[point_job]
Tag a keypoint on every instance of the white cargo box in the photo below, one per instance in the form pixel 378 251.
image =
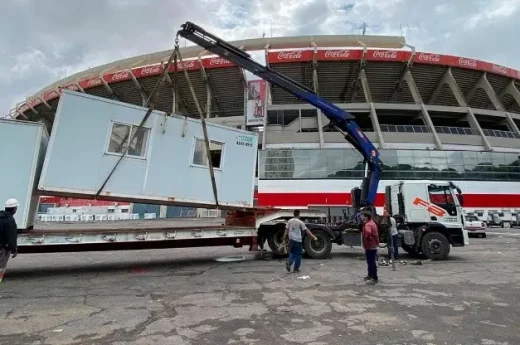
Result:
pixel 166 164
pixel 22 150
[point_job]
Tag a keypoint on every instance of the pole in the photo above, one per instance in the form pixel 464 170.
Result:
pixel 391 244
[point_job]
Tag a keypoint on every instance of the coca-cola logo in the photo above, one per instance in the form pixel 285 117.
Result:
pixel 467 63
pixel 290 55
pixel 120 76
pixel 186 64
pixel 429 57
pixel 151 70
pixel 385 54
pixel 218 61
pixel 337 54
pixel 499 69
pixel 93 82
pixel 34 102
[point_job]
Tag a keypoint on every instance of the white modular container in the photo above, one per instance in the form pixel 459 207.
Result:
pixel 166 164
pixel 22 151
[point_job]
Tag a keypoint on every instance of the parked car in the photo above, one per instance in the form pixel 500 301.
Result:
pixel 474 226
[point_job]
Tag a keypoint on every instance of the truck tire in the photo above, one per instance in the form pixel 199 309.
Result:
pixel 275 239
pixel 435 246
pixel 319 249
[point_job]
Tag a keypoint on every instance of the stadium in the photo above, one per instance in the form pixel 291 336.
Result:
pixel 433 116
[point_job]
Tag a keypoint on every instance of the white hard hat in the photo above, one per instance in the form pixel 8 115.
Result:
pixel 11 203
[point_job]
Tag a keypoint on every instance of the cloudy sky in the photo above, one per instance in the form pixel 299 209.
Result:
pixel 42 41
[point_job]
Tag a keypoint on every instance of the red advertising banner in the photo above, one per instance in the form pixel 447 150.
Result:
pixel 290 56
pixel 90 82
pixel 216 62
pixel 147 71
pixel 339 54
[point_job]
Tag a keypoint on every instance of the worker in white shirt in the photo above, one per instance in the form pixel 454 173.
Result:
pixel 395 237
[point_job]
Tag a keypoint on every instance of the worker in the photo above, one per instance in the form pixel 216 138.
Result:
pixel 8 234
pixel 370 244
pixel 395 237
pixel 293 231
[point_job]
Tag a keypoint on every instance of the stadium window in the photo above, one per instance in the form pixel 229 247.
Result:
pixel 120 137
pixel 200 157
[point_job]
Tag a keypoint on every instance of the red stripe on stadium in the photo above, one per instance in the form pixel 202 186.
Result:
pixel 306 199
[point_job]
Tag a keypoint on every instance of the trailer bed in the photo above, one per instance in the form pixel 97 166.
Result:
pixel 133 234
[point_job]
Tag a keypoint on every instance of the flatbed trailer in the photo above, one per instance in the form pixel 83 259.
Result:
pixel 238 229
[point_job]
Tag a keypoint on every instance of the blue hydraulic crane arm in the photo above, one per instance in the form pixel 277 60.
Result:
pixel 342 120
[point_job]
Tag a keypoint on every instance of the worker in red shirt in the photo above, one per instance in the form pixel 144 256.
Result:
pixel 370 244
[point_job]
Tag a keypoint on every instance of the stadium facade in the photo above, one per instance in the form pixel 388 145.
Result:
pixel 433 116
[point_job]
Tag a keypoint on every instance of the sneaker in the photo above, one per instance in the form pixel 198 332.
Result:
pixel 372 281
pixel 288 266
pixel 297 270
pixel 366 278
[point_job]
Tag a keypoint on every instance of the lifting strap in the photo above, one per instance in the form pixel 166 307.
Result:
pixel 203 122
pixel 150 102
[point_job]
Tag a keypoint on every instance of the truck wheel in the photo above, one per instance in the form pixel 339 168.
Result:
pixel 319 249
pixel 435 246
pixel 275 240
pixel 483 235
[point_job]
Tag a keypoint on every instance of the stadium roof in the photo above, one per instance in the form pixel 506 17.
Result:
pixel 339 62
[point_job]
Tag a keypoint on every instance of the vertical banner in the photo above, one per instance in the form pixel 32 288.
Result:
pixel 256 102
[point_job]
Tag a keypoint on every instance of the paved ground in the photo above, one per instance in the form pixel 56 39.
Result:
pixel 186 297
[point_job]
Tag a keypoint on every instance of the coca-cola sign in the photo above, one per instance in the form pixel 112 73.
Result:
pixel 189 64
pixel 122 75
pixel 425 57
pixel 93 82
pixel 463 62
pixel 385 54
pixel 337 54
pixel 499 69
pixel 217 61
pixel 151 70
pixel 34 102
pixel 290 55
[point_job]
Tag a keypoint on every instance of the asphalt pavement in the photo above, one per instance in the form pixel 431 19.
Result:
pixel 186 296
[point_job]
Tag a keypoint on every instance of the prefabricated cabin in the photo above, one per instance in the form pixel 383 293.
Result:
pixel 166 162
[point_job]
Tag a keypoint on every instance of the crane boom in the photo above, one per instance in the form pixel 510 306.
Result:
pixel 342 120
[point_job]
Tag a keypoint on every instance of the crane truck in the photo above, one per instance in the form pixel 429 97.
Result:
pixel 429 213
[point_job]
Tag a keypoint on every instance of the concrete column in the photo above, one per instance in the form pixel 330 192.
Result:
pixel 455 89
pixel 377 127
pixel 472 120
pixel 484 84
pixel 512 124
pixel 511 90
pixel 428 121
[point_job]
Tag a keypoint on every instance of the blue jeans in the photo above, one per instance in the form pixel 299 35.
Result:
pixel 395 242
pixel 371 262
pixel 295 253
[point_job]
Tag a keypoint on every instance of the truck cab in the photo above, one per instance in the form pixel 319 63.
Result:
pixel 429 215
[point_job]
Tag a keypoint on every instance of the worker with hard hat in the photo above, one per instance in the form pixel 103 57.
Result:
pixel 8 234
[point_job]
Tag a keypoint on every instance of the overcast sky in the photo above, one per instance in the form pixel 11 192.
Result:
pixel 42 41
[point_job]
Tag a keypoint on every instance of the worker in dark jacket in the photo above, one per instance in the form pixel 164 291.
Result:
pixel 8 234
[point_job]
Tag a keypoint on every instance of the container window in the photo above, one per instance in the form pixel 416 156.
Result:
pixel 200 157
pixel 120 139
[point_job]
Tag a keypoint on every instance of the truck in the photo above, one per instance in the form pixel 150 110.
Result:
pixel 429 213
